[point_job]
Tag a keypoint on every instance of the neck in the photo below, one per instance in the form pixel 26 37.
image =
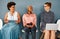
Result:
pixel 29 12
pixel 12 12
pixel 47 10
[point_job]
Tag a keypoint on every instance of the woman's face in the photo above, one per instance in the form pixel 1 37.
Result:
pixel 46 7
pixel 30 9
pixel 12 8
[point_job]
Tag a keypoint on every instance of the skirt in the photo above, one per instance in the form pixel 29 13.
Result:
pixel 10 30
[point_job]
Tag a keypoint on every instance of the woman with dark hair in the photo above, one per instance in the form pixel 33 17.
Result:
pixel 12 18
pixel 47 16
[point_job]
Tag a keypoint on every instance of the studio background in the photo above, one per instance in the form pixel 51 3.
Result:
pixel 21 7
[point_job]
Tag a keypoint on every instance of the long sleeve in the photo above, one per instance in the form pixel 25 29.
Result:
pixel 24 22
pixel 41 17
pixel 53 17
pixel 35 19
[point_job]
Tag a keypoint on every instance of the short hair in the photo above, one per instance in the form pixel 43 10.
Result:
pixel 30 7
pixel 48 4
pixel 10 4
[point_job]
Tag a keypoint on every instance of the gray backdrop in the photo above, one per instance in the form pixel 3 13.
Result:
pixel 21 6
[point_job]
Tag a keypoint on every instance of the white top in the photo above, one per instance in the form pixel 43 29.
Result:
pixel 14 17
pixel 58 22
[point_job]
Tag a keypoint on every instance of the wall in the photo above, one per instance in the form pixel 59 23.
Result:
pixel 21 6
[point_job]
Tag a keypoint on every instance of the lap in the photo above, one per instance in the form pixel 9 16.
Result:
pixel 49 31
pixel 10 27
pixel 29 29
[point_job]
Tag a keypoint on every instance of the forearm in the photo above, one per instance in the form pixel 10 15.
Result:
pixel 6 21
pixel 19 21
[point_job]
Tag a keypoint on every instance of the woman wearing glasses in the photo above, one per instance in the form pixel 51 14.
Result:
pixel 47 16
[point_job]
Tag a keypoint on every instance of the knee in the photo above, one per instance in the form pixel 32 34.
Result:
pixel 52 32
pixel 47 32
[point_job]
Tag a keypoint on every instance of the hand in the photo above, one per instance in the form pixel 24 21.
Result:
pixel 31 26
pixel 17 21
pixel 6 21
pixel 28 26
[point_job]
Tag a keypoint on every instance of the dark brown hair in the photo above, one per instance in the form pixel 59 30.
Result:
pixel 10 4
pixel 48 4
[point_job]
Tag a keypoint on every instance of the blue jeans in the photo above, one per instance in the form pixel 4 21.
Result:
pixel 32 30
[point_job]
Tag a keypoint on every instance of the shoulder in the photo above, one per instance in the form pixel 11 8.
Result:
pixel 17 13
pixel 24 15
pixel 42 13
pixel 34 14
pixel 52 12
pixel 6 13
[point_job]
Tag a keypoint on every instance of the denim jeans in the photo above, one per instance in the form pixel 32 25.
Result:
pixel 32 30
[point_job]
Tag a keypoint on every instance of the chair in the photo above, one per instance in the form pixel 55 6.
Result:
pixel 42 33
pixel 58 32
pixel 1 24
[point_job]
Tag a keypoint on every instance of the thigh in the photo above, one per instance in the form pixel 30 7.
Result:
pixel 52 32
pixel 47 32
pixel 33 29
pixel 33 32
pixel 26 29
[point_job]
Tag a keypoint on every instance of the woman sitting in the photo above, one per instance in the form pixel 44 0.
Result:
pixel 11 28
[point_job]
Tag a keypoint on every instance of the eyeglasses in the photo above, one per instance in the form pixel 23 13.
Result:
pixel 45 6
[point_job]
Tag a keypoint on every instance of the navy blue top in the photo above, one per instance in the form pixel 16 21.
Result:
pixel 46 17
